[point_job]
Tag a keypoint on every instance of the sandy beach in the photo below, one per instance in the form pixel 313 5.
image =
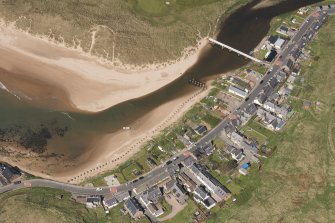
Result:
pixel 91 84
pixel 36 69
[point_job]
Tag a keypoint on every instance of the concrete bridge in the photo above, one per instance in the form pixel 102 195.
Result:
pixel 235 50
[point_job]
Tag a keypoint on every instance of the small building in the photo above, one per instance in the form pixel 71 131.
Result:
pixel 236 154
pixel 276 42
pixel 236 91
pixel 291 79
pixel 307 105
pixel 203 197
pixel 283 30
pixel 133 208
pixel 110 202
pixel 288 64
pixel 155 209
pixel 201 193
pixel 271 55
pixel 208 149
pixel 177 191
pixel 201 129
pixel 93 201
pixel 236 138
pixel 122 196
pixel 270 121
pixel 8 173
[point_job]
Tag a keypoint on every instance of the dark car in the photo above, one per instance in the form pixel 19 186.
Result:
pixel 168 162
pixel 329 6
pixel 247 99
pixel 262 81
pixel 17 182
pixel 321 7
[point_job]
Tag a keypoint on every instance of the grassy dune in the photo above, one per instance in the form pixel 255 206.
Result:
pixel 134 31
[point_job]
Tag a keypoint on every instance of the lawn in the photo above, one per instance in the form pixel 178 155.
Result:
pixel 155 7
pixel 185 216
pixel 253 134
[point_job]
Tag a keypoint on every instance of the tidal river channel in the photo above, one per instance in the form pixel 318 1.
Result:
pixel 41 128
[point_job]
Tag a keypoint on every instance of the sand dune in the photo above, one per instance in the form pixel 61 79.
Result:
pixel 90 84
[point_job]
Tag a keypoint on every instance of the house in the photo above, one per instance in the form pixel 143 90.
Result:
pixel 209 203
pixel 186 180
pixel 122 196
pixel 155 209
pixel 208 149
pixel 296 53
pixel 202 196
pixel 237 91
pixel 283 30
pixel 236 138
pixel 270 106
pixel 201 193
pixel 228 129
pixel 273 83
pixel 133 208
pixel 272 122
pixel 264 94
pixel 93 201
pixel 154 194
pixel 296 71
pixel 110 202
pixel 236 154
pixel 269 56
pixel 272 39
pixel 283 110
pixel 250 146
pixel 218 191
pixel 280 76
pixel 201 129
pixel 178 192
pixel 237 82
pixel 276 42
pixel 8 173
pixel 302 11
pixel 291 79
pixel 288 64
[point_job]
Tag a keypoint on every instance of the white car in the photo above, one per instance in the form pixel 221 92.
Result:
pixel 99 189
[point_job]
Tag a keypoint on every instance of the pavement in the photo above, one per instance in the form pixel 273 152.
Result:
pixel 160 172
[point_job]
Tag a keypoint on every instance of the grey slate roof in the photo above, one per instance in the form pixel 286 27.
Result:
pixel 132 206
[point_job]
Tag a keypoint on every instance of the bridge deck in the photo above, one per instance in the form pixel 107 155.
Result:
pixel 235 50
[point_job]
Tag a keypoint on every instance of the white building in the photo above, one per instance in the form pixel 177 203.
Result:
pixel 237 91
